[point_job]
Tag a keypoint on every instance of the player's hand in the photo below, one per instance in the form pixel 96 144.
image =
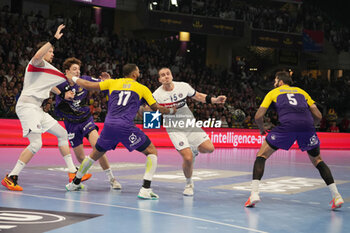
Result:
pixel 58 33
pixel 69 95
pixel 220 99
pixel 104 76
pixel 174 109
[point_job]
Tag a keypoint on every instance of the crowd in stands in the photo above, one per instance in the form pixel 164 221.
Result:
pixel 102 51
pixel 281 16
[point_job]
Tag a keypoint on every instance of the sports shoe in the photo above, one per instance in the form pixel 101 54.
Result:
pixel 75 187
pixel 252 200
pixel 115 184
pixel 147 194
pixel 10 182
pixel 337 202
pixel 84 178
pixel 188 190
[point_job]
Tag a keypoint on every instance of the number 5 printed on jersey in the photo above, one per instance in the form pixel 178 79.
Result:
pixel 292 99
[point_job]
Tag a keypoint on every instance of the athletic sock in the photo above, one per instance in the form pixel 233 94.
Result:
pixel 151 166
pixel 84 167
pixel 109 173
pixel 69 162
pixel 255 186
pixel 189 180
pixel 17 169
pixel 334 191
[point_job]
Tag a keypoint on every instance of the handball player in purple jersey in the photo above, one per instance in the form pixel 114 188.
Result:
pixel 77 116
pixel 125 97
pixel 297 113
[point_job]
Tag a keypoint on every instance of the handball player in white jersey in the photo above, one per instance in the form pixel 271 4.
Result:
pixel 40 78
pixel 188 141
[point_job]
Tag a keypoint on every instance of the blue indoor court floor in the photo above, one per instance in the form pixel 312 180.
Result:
pixel 294 197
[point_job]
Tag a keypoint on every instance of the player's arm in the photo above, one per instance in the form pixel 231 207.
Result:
pixel 90 86
pixel 162 109
pixel 37 60
pixel 204 98
pixel 259 119
pixel 316 113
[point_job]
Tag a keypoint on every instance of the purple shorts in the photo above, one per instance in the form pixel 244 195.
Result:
pixel 130 136
pixel 284 137
pixel 77 131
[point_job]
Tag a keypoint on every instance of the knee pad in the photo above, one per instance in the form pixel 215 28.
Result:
pixel 60 133
pixel 35 145
pixel 314 152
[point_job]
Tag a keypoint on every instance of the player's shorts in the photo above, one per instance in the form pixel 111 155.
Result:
pixel 182 140
pixel 77 131
pixel 284 137
pixel 130 136
pixel 33 118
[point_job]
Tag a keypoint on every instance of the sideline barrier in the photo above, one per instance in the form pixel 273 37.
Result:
pixel 11 135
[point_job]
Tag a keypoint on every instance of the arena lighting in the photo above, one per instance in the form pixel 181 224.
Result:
pixel 184 36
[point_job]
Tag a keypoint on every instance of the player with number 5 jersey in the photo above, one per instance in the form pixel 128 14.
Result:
pixel 296 111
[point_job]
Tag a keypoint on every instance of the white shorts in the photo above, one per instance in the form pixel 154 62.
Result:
pixel 182 140
pixel 33 118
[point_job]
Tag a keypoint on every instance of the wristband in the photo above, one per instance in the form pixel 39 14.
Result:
pixel 53 41
pixel 171 111
pixel 208 99
pixel 74 79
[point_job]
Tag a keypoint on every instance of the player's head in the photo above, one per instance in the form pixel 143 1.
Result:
pixel 72 65
pixel 165 76
pixel 49 55
pixel 282 78
pixel 131 71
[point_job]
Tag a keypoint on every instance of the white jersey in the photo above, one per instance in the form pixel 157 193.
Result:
pixel 181 137
pixel 38 81
pixel 176 98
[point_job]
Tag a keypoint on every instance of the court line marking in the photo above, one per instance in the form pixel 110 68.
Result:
pixel 138 209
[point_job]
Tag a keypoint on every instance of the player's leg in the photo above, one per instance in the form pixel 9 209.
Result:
pixel 206 147
pixel 92 137
pixel 62 137
pixel 63 147
pixel 188 151
pixel 150 151
pixel 326 174
pixel 264 153
pixel 187 167
pixel 76 185
pixel 10 181
pixel 108 140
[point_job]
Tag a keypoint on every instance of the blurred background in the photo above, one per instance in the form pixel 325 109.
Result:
pixel 229 47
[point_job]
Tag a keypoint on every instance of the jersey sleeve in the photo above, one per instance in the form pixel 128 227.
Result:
pixel 105 84
pixel 147 95
pixel 91 79
pixel 267 100
pixel 307 97
pixel 190 91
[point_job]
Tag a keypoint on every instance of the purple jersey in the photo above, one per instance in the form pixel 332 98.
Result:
pixel 78 110
pixel 297 124
pixel 125 97
pixel 292 106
